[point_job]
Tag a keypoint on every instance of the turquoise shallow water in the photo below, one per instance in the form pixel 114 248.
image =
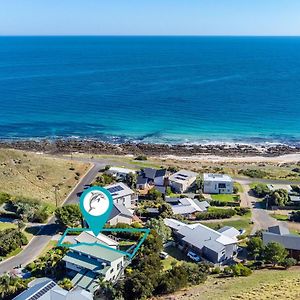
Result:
pixel 151 89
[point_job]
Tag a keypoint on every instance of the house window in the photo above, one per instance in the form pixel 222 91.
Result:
pixel 119 266
pixel 111 270
pixel 222 186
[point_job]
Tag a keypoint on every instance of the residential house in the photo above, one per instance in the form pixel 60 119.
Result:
pixel 87 263
pixel 90 238
pixel 120 173
pixel 47 289
pixel 187 207
pixel 122 194
pixel 120 214
pixel 282 235
pixel 217 184
pixel 210 244
pixel 182 180
pixel 149 178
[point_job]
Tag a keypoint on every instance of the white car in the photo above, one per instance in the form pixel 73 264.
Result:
pixel 193 256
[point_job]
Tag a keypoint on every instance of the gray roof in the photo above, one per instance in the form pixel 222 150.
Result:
pixel 119 190
pixel 289 241
pixel 229 231
pixel 141 180
pixel 216 177
pixel 188 206
pixel 47 289
pixel 201 236
pixel 279 229
pixel 153 173
pixel 119 209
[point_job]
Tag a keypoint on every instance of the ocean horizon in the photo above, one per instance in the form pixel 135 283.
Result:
pixel 151 89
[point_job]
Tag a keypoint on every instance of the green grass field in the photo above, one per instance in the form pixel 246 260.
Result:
pixel 225 197
pixel 32 175
pixel 280 217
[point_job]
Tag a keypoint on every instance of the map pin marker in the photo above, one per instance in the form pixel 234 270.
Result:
pixel 96 205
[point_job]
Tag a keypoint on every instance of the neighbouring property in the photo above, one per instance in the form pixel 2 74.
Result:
pixel 122 194
pixel 47 289
pixel 187 207
pixel 216 246
pixel 120 173
pixel 182 180
pixel 120 214
pixel 217 184
pixel 149 178
pixel 282 235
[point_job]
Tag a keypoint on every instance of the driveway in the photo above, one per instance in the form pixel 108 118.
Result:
pixel 40 241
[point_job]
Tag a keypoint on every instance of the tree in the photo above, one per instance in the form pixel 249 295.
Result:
pixel 295 216
pixel 165 210
pixel 260 190
pixel 255 247
pixel 289 262
pixel 10 286
pixel 69 216
pixel 154 194
pixel 66 284
pixel 279 197
pixel 159 226
pixel 131 180
pixel 275 253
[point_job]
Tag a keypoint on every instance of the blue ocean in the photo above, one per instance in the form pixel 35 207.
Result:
pixel 151 89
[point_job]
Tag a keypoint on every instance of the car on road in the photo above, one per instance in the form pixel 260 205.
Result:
pixel 193 256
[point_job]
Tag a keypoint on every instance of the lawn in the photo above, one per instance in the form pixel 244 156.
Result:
pixel 5 225
pixel 261 285
pixel 280 217
pixel 242 222
pixel 225 197
pixel 239 187
pixel 175 256
pixel 33 175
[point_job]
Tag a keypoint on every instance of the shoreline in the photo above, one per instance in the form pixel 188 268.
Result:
pixel 186 151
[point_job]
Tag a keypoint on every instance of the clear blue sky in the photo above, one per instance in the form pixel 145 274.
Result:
pixel 150 17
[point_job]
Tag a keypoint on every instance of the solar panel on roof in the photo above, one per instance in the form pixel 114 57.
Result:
pixel 43 291
pixel 115 189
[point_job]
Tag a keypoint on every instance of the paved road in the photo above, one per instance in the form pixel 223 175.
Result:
pixel 39 242
pixel 260 216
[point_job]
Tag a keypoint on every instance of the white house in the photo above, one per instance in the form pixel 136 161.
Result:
pixel 120 173
pixel 90 238
pixel 122 194
pixel 46 289
pixel 87 263
pixel 187 206
pixel 182 180
pixel 215 246
pixel 217 184
pixel 120 214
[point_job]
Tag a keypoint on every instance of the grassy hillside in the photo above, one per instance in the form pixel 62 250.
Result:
pixel 261 285
pixel 34 175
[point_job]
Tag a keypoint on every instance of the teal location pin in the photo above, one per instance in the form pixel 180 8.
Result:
pixel 96 205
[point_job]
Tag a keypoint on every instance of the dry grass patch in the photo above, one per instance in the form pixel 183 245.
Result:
pixel 34 175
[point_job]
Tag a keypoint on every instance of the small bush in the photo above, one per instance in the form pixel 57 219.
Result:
pixel 141 157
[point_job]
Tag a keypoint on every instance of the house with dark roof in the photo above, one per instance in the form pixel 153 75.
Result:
pixel 215 246
pixel 47 289
pixel 122 194
pixel 282 235
pixel 150 177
